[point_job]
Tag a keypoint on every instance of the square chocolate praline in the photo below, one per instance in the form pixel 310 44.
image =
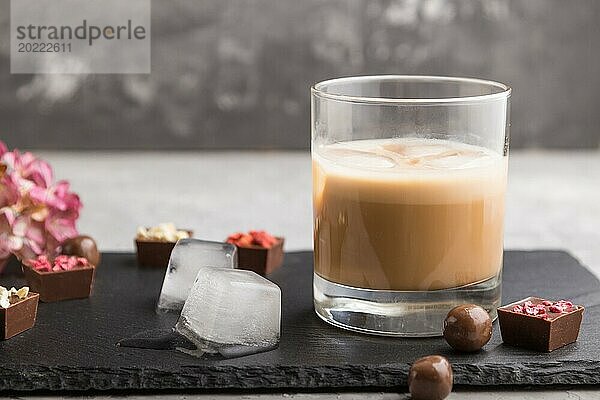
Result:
pixel 261 260
pixel 536 333
pixel 53 286
pixel 154 253
pixel 19 317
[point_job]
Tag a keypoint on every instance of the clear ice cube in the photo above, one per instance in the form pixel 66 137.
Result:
pixel 416 148
pixel 458 160
pixel 366 160
pixel 232 312
pixel 188 256
pixel 435 154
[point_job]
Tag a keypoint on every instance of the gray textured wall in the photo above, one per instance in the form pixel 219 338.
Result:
pixel 236 74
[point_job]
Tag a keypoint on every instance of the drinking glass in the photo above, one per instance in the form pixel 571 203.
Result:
pixel 409 177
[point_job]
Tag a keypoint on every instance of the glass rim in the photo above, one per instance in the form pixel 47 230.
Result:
pixel 318 90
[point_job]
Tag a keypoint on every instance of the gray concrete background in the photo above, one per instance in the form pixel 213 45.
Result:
pixel 235 74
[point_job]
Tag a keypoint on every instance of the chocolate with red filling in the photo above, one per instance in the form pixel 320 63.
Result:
pixel 539 324
pixel 63 278
pixel 258 251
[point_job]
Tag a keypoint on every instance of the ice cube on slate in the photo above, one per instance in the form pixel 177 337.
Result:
pixel 187 257
pixel 232 312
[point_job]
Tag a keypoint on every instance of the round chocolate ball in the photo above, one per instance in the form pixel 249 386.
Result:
pixel 430 378
pixel 82 246
pixel 467 328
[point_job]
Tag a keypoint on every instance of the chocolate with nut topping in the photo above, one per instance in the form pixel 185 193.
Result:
pixel 540 324
pixel 19 313
pixel 154 245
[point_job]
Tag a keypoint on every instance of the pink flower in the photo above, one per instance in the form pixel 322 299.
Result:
pixel 39 171
pixel 31 235
pixel 9 245
pixel 8 242
pixel 27 170
pixel 9 190
pixel 57 196
pixel 60 227
pixel 36 214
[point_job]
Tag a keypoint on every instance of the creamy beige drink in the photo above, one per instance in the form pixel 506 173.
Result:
pixel 408 214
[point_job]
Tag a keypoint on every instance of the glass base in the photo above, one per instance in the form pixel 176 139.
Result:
pixel 399 313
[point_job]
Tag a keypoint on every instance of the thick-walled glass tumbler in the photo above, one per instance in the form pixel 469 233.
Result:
pixel 409 176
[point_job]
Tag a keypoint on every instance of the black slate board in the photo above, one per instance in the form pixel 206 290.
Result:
pixel 72 346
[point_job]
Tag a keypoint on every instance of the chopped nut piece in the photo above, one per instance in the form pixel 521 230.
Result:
pixel 141 232
pixel 4 299
pixel 23 292
pixel 6 294
pixel 4 302
pixel 163 233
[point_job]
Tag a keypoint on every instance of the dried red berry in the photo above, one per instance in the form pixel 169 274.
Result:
pixel 531 310
pixel 565 305
pixel 518 308
pixel 252 238
pixel 60 263
pixel 41 263
pixel 263 238
pixel 555 308
pixel 240 239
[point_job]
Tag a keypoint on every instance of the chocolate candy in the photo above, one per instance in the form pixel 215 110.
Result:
pixel 19 316
pixel 467 327
pixel 430 378
pixel 155 253
pixel 261 260
pixel 60 285
pixel 82 246
pixel 539 324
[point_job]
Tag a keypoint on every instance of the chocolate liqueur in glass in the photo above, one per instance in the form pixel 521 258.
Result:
pixel 409 180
